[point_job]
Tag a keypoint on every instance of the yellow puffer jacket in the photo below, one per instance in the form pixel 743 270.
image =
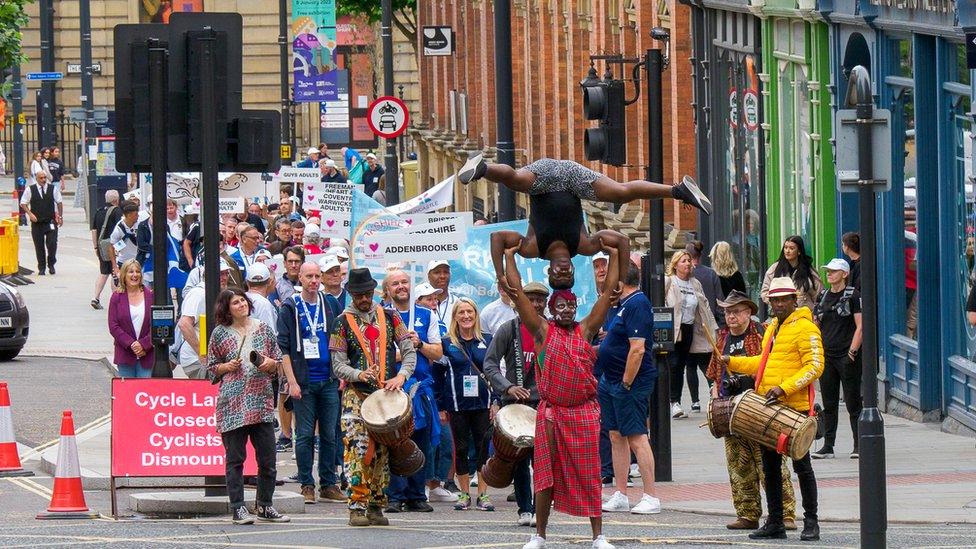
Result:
pixel 795 361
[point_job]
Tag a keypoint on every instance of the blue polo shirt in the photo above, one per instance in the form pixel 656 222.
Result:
pixel 319 369
pixel 634 318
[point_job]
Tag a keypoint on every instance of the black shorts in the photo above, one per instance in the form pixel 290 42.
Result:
pixel 105 267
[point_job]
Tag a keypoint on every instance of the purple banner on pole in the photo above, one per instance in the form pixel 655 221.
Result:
pixel 313 29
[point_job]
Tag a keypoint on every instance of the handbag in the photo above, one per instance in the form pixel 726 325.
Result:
pixel 105 244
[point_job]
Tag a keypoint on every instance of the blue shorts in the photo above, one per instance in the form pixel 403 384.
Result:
pixel 625 411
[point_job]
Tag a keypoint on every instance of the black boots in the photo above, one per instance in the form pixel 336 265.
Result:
pixel 770 530
pixel 811 530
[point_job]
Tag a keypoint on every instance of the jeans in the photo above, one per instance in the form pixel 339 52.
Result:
pixel 684 361
pixel 839 371
pixel 319 402
pixel 45 235
pixel 235 445
pixel 772 468
pixel 523 486
pixel 134 370
pixel 442 455
pixel 412 488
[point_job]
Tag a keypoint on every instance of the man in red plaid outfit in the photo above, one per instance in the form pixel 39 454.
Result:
pixel 567 431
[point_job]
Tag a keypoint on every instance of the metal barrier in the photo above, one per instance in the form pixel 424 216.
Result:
pixel 69 134
pixel 9 246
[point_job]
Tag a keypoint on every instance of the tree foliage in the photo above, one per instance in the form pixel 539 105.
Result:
pixel 13 17
pixel 404 14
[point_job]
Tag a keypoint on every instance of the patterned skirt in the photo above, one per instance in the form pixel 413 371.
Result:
pixel 563 175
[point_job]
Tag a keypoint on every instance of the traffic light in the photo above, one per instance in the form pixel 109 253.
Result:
pixel 604 101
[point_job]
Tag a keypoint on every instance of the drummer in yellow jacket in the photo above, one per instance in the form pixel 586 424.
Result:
pixel 795 360
pixel 364 343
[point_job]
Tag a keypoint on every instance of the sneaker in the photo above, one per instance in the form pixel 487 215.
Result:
pixel 648 505
pixel 855 454
pixel 441 494
pixel 417 506
pixel 769 531
pixel 96 304
pixel 394 507
pixel 308 492
pixel 375 517
pixel 474 481
pixel 607 481
pixel 696 407
pixel 535 542
pixel 357 517
pixel 634 471
pixel 511 497
pixel 463 502
pixel 242 516
pixel 601 543
pixel 688 192
pixel 811 530
pixel 618 503
pixel 283 445
pixel 331 494
pixel 824 453
pixel 525 519
pixel 450 486
pixel 270 514
pixel 676 411
pixel 292 479
pixel 472 170
pixel 484 503
pixel 630 482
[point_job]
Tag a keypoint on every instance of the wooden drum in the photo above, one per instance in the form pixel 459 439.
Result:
pixel 775 426
pixel 720 416
pixel 388 416
pixel 514 434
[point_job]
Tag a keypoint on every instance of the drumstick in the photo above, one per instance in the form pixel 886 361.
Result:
pixel 711 340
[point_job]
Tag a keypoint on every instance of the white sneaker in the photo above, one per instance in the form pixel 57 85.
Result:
pixel 474 481
pixel 601 543
pixel 525 519
pixel 634 471
pixel 442 494
pixel 676 411
pixel 617 503
pixel 648 505
pixel 535 542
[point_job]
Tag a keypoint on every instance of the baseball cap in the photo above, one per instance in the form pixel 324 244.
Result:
pixel 311 230
pixel 371 155
pixel 838 264
pixel 329 262
pixel 338 251
pixel 312 150
pixel 329 163
pixel 535 288
pixel 600 255
pixel 258 272
pixel 437 263
pixel 424 289
pixel 262 253
pixel 224 266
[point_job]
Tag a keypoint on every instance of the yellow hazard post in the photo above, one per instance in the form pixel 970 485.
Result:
pixel 9 246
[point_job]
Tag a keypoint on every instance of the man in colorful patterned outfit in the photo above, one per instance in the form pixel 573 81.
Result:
pixel 364 344
pixel 742 336
pixel 567 432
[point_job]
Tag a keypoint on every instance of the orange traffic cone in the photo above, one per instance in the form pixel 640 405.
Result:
pixel 9 458
pixel 68 499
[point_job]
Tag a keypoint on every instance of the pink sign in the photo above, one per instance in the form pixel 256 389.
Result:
pixel 166 428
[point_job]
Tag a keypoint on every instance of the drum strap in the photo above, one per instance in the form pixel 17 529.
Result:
pixel 380 354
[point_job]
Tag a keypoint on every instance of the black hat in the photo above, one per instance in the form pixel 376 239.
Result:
pixel 360 281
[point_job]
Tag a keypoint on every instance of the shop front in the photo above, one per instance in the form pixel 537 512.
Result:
pixel 917 59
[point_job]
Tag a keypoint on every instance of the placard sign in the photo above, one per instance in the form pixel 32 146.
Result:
pixel 333 201
pixel 441 240
pixel 166 428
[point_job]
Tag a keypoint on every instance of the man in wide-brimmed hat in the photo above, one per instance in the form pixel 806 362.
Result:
pixel 742 336
pixel 793 361
pixel 364 344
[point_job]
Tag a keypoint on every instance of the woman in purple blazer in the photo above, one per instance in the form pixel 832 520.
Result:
pixel 129 321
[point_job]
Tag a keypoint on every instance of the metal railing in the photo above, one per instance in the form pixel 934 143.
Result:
pixel 68 136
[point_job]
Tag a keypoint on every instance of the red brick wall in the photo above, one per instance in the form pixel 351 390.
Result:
pixel 551 44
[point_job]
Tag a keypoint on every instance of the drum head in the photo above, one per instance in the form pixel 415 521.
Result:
pixel 516 421
pixel 801 442
pixel 381 407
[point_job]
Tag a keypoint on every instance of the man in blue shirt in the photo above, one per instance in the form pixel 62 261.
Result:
pixel 626 360
pixel 312 161
pixel 304 324
pixel 407 493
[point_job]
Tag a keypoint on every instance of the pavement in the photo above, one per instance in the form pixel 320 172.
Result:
pixel 931 474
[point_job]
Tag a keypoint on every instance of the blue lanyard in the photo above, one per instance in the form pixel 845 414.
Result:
pixel 312 326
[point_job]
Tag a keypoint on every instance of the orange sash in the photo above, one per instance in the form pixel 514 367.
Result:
pixel 381 350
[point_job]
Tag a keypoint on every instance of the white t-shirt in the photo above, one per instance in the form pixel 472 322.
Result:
pixel 264 311
pixel 495 314
pixel 123 238
pixel 175 228
pixel 194 305
pixel 138 315
pixel 689 301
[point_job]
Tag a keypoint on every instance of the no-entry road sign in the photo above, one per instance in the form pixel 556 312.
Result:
pixel 388 117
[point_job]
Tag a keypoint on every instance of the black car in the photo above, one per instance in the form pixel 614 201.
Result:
pixel 14 322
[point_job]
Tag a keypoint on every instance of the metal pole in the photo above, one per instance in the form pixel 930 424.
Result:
pixel 16 97
pixel 661 437
pixel 285 69
pixel 46 135
pixel 390 158
pixel 87 99
pixel 158 68
pixel 505 138
pixel 209 206
pixel 871 466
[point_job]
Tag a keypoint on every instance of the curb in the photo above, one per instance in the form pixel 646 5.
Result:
pixel 821 518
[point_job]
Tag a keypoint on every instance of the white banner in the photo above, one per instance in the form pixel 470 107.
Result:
pixel 185 187
pixel 288 174
pixel 424 218
pixel 439 196
pixel 441 240
pixel 334 201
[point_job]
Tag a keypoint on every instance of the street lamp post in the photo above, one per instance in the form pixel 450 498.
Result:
pixel 285 69
pixel 88 101
pixel 505 138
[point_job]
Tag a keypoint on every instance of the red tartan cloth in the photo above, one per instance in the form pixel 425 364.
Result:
pixel 567 393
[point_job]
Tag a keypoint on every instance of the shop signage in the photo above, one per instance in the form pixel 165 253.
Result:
pixel 438 41
pixel 937 6
pixel 846 151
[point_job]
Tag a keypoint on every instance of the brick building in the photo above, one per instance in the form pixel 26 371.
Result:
pixel 551 44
